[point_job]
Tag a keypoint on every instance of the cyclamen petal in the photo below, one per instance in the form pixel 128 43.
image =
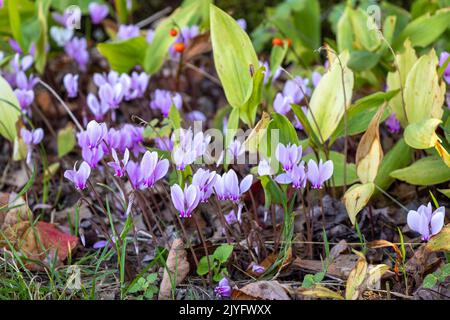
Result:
pixel 246 183
pixel 79 177
pixel 426 222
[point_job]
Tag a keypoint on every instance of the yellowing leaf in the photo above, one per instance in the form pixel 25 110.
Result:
pixel 421 135
pixel 397 79
pixel 9 111
pixel 356 279
pixel 443 153
pixel 424 95
pixel 441 241
pixel 253 139
pixel 327 105
pixel 356 198
pixel 374 275
pixel 319 291
pixel 369 153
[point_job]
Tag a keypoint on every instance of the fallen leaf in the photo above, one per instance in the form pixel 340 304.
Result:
pixel 356 198
pixel 340 268
pixel 319 291
pixel 41 242
pixel 18 209
pixel 177 268
pixel 261 290
pixel 356 278
pixel 383 244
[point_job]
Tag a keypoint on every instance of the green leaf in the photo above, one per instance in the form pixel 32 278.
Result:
pixel 223 252
pixel 306 125
pixel 338 164
pixel 152 277
pixel 424 30
pixel 344 34
pixel 248 112
pixel 66 140
pixel 122 11
pixel 9 111
pixel 62 5
pixel 424 172
pixel 398 157
pixel 277 56
pixel 157 51
pixel 327 103
pixel 124 55
pixel 363 60
pixel 15 22
pixel 41 48
pixel 361 113
pixel 174 116
pixel 272 192
pixel 306 19
pixel 308 281
pixel 279 130
pixel 233 57
pixel 202 267
pixel 364 37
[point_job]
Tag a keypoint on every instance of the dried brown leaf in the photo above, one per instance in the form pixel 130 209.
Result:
pixel 261 290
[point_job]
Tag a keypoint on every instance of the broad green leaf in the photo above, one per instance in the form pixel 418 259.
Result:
pixel 62 5
pixel 397 79
pixel 277 56
pixel 398 157
pixel 122 10
pixel 124 55
pixel 422 135
pixel 424 30
pixel 15 22
pixel 66 140
pixel 233 57
pixel 364 37
pixel 344 34
pixel 327 103
pixel 424 96
pixel 429 281
pixel 337 179
pixel 356 198
pixel 441 241
pixel 203 266
pixel 362 111
pixel 363 60
pixel 280 127
pixel 445 192
pixel 306 19
pixel 426 171
pixel 9 111
pixel 248 111
pixel 157 51
pixel 301 116
pixel 223 252
pixel 272 193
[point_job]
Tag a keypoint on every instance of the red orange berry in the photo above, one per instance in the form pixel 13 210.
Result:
pixel 178 47
pixel 277 42
pixel 289 42
pixel 173 32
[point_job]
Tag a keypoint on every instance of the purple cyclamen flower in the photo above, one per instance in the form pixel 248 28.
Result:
pixel 223 289
pixel 196 116
pixel 393 124
pixel 2 3
pixel 98 108
pixel 21 64
pixel 231 217
pixel 119 165
pixel 92 156
pixel 442 59
pixel 242 23
pixel 25 83
pixel 15 46
pixel 138 85
pixel 425 221
pixel 93 135
pixel 188 33
pixel 228 187
pixel 127 31
pixel 318 174
pixel 71 85
pixel 98 12
pixel 111 77
pixel 31 138
pixel 316 77
pixel 135 174
pixel 189 147
pixel 79 177
pixel 152 168
pixel 185 201
pixel 296 89
pixel 288 156
pixel 264 168
pixel 296 176
pixel 163 100
pixel 204 180
pixel 236 149
pixel 101 244
pixel 110 95
pixel 25 98
pixel 282 104
pixel 256 268
pixel 164 143
pixel 76 49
